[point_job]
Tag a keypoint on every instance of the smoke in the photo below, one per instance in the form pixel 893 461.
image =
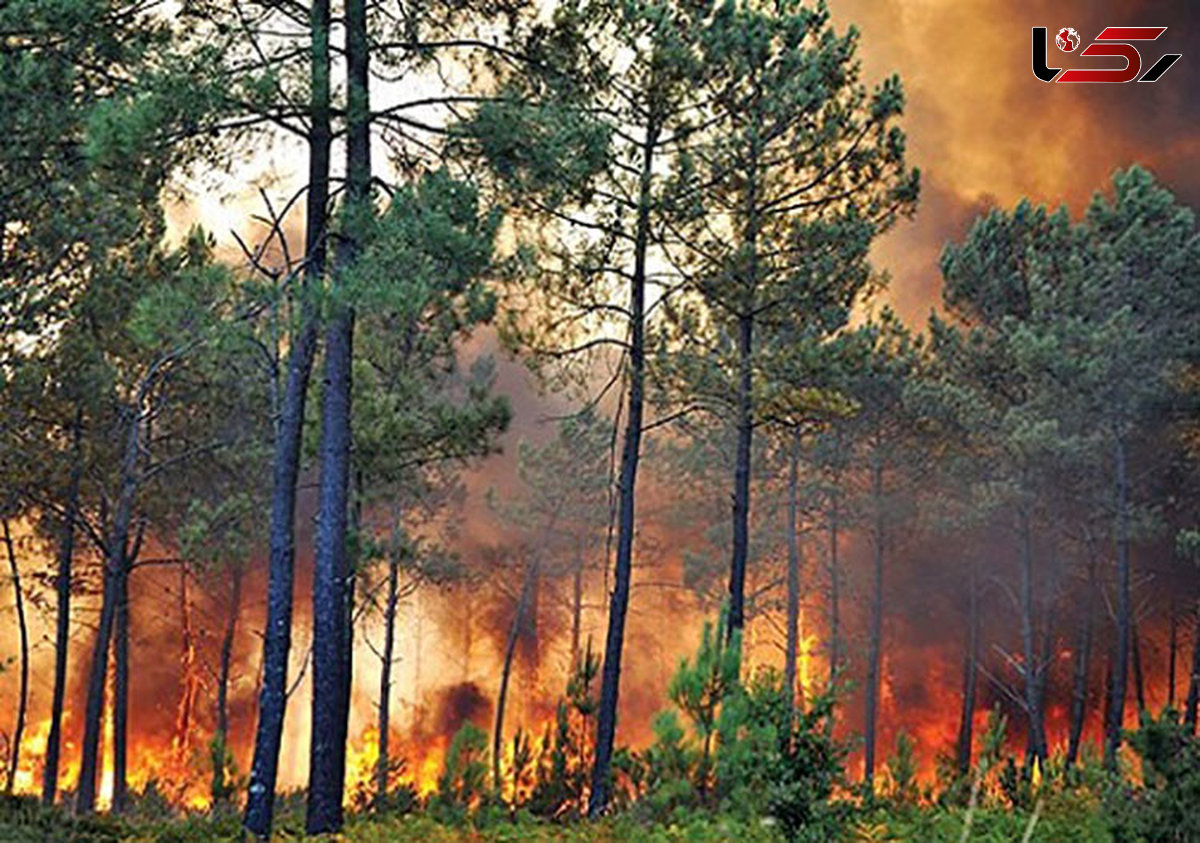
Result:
pixel 985 131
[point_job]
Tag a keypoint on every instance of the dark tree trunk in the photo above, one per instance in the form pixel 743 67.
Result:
pixel 529 635
pixel 1139 681
pixel 741 479
pixel 1116 718
pixel 606 720
pixel 745 398
pixel 121 693
pixel 328 753
pixel 383 766
pixel 514 632
pixel 277 639
pixel 835 587
pixel 1031 668
pixel 331 574
pixel 792 650
pixel 85 797
pixel 1172 651
pixel 62 621
pixel 1083 655
pixel 220 788
pixel 1108 685
pixel 966 720
pixel 23 688
pixel 114 609
pixel 187 693
pixel 1193 698
pixel 875 642
pixel 576 609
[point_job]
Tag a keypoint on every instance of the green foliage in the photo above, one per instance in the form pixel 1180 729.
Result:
pixel 462 783
pixel 1163 808
pixel 753 755
pixel 700 689
pixel 773 761
pixel 902 772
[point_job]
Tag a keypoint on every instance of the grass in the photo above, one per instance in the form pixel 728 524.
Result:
pixel 1063 819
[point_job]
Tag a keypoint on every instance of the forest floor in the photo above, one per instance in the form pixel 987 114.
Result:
pixel 1061 823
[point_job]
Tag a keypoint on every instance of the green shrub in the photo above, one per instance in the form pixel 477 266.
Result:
pixel 1166 807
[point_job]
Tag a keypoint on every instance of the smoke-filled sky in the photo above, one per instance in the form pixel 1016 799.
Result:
pixel 985 131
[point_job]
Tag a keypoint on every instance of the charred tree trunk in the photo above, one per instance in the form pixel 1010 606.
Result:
pixel 85 797
pixel 791 653
pixel 331 574
pixel 1193 697
pixel 1083 655
pixel 1139 681
pixel 606 719
pixel 576 610
pixel 1116 718
pixel 1172 651
pixel 741 479
pixel 121 693
pixel 62 621
pixel 23 688
pixel 221 791
pixel 1031 669
pixel 875 644
pixel 383 766
pixel 966 721
pixel 744 409
pixel 187 695
pixel 277 639
pixel 514 632
pixel 835 588
pixel 114 609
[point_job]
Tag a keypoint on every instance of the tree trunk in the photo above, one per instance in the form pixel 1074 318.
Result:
pixel 835 578
pixel 875 643
pixel 383 766
pixel 187 662
pixel 1116 718
pixel 121 693
pixel 576 610
pixel 23 687
pixel 85 797
pixel 514 632
pixel 1135 651
pixel 1083 655
pixel 221 790
pixel 62 621
pixel 331 574
pixel 114 608
pixel 1193 697
pixel 277 639
pixel 1036 741
pixel 606 720
pixel 1172 651
pixel 966 721
pixel 741 479
pixel 791 652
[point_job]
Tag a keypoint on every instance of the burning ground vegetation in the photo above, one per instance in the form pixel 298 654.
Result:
pixel 571 420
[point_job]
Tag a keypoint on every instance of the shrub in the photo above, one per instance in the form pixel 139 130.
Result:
pixel 1164 808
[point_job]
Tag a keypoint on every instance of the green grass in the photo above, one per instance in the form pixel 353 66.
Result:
pixel 1063 819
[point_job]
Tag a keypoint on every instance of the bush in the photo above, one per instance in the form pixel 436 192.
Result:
pixel 1164 808
pixel 775 761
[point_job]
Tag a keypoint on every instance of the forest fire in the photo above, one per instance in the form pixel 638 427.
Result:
pixel 921 687
pixel 734 420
